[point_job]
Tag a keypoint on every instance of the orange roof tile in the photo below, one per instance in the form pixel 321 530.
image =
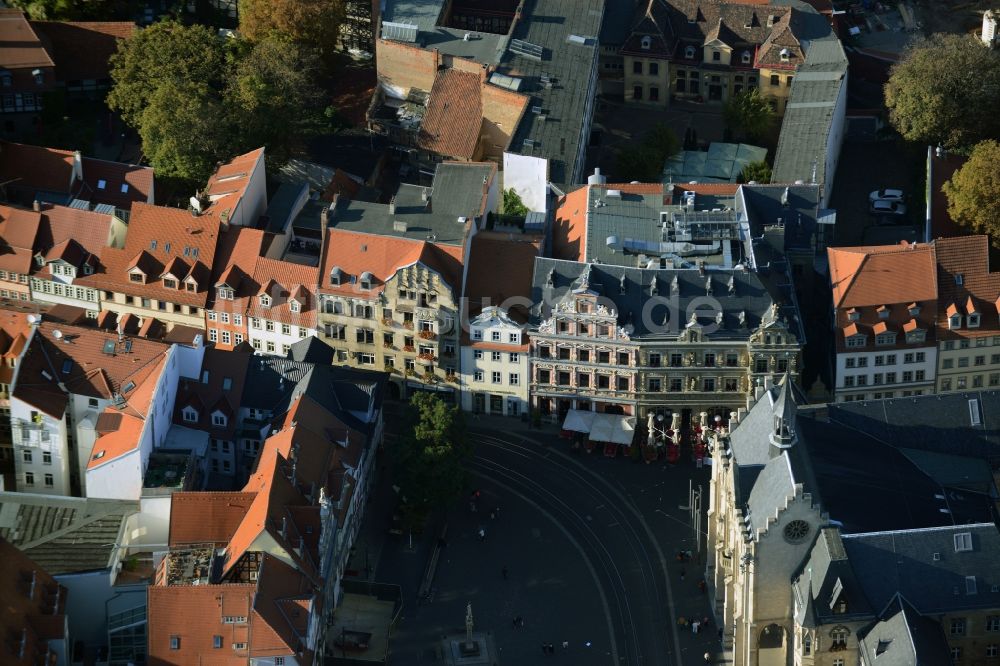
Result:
pixel 454 115
pixel 23 616
pixel 284 282
pixel 18 234
pixel 206 517
pixel 964 279
pixel 36 167
pixel 20 46
pixel 81 49
pixel 355 253
pixel 163 234
pixel 494 254
pixel 569 230
pixel 876 275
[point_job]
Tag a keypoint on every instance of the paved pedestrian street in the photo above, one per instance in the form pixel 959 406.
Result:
pixel 590 547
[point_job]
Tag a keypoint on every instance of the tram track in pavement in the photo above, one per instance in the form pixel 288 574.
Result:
pixel 650 586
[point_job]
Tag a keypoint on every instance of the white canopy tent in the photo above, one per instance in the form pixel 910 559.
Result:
pixel 612 428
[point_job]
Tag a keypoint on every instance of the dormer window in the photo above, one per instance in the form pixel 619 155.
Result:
pixel 336 277
pixel 883 312
pixel 689 52
pixel 169 283
pixel 102 184
pixel 137 276
pixel 477 334
pixel 918 335
pixel 646 43
pixel 955 321
pixel 785 55
pixel 39 76
pixel 366 280
pixel 225 293
pixel 294 306
pixel 853 314
pixel 857 341
pixel 883 339
pixel 6 79
pixel 913 309
pixel 190 414
pixel 190 284
pixel 265 301
pixel 745 57
pixel 972 321
pixel 219 419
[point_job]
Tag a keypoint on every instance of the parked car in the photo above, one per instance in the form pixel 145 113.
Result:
pixel 887 207
pixel 886 195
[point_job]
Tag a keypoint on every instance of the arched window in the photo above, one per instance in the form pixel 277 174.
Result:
pixel 646 42
pixel 745 57
pixel 689 52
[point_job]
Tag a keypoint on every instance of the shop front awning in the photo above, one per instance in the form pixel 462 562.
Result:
pixel 608 428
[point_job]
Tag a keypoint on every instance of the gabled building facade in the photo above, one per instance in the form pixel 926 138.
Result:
pixel 885 307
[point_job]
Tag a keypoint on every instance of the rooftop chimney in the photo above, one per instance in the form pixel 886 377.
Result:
pixel 36 206
pixel 392 206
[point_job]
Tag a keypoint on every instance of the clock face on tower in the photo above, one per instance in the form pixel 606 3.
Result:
pixel 796 531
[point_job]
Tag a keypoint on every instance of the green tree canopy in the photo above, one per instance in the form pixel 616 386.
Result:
pixel 165 52
pixel 429 456
pixel 313 22
pixel 274 89
pixel 644 160
pixel 759 172
pixel 974 191
pixel 184 132
pixel 749 115
pixel 512 204
pixel 946 90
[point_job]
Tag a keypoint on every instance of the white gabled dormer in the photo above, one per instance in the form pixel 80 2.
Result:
pixel 954 317
pixel 189 414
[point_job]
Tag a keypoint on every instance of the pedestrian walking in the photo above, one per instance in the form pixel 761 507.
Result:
pixel 504 572
pixel 497 511
pixel 565 644
pixel 493 514
pixel 552 648
pixel 708 657
pixel 694 626
pixel 702 585
pixel 482 534
pixel 683 572
pixel 720 633
pixel 545 648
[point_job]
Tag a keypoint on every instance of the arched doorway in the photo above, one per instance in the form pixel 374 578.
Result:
pixel 771 646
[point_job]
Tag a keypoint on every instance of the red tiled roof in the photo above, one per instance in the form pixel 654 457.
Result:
pixel 124 184
pixel 27 617
pixel 569 231
pixel 36 167
pixel 81 50
pixel 89 370
pixel 20 46
pixel 355 253
pixel 206 517
pixel 284 281
pixel 18 233
pixel 208 396
pixel 882 275
pixel 965 283
pixel 160 234
pixel 454 115
pixel 494 254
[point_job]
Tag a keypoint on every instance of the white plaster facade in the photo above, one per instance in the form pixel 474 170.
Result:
pixel 892 373
pixel 494 365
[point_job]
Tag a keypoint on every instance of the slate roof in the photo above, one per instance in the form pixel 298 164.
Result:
pixel 765 205
pixel 825 572
pixel 559 137
pixel 812 109
pixel 64 534
pixel 460 189
pixel 646 315
pixel 903 561
pixel 311 350
pixel 914 476
pixel 375 218
pixel 903 637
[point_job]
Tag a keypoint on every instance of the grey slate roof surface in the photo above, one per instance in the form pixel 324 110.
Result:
pixel 903 561
pixel 634 304
pixel 774 487
pixel 270 381
pixel 902 637
pixel 764 206
pixel 64 534
pixel 617 23
pixel 311 350
pixel 817 581
pixel 375 218
pixel 280 205
pixel 867 470
pixel 458 189
pixel 808 121
pixel 558 137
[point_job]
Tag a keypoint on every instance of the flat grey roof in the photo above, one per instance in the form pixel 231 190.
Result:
pixel 458 189
pixel 375 218
pixel 424 14
pixel 568 65
pixel 281 204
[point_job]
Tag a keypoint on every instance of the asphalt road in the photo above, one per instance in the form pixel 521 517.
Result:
pixel 589 545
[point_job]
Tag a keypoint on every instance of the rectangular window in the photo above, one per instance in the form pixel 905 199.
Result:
pixel 286 329
pixel 478 376
pixel 268 325
pixel 775 80
pixel 49 481
pixel 654 69
pixel 496 356
pixel 515 379
pixel 26 456
pixel 957 626
pixel 497 377
pixel 213 335
pixel 29 479
pixel 270 346
pixel 637 67
pixel 993 623
pixel 514 357
pixel 654 94
pixel 226 337
pixel 637 92
pixel 46 457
